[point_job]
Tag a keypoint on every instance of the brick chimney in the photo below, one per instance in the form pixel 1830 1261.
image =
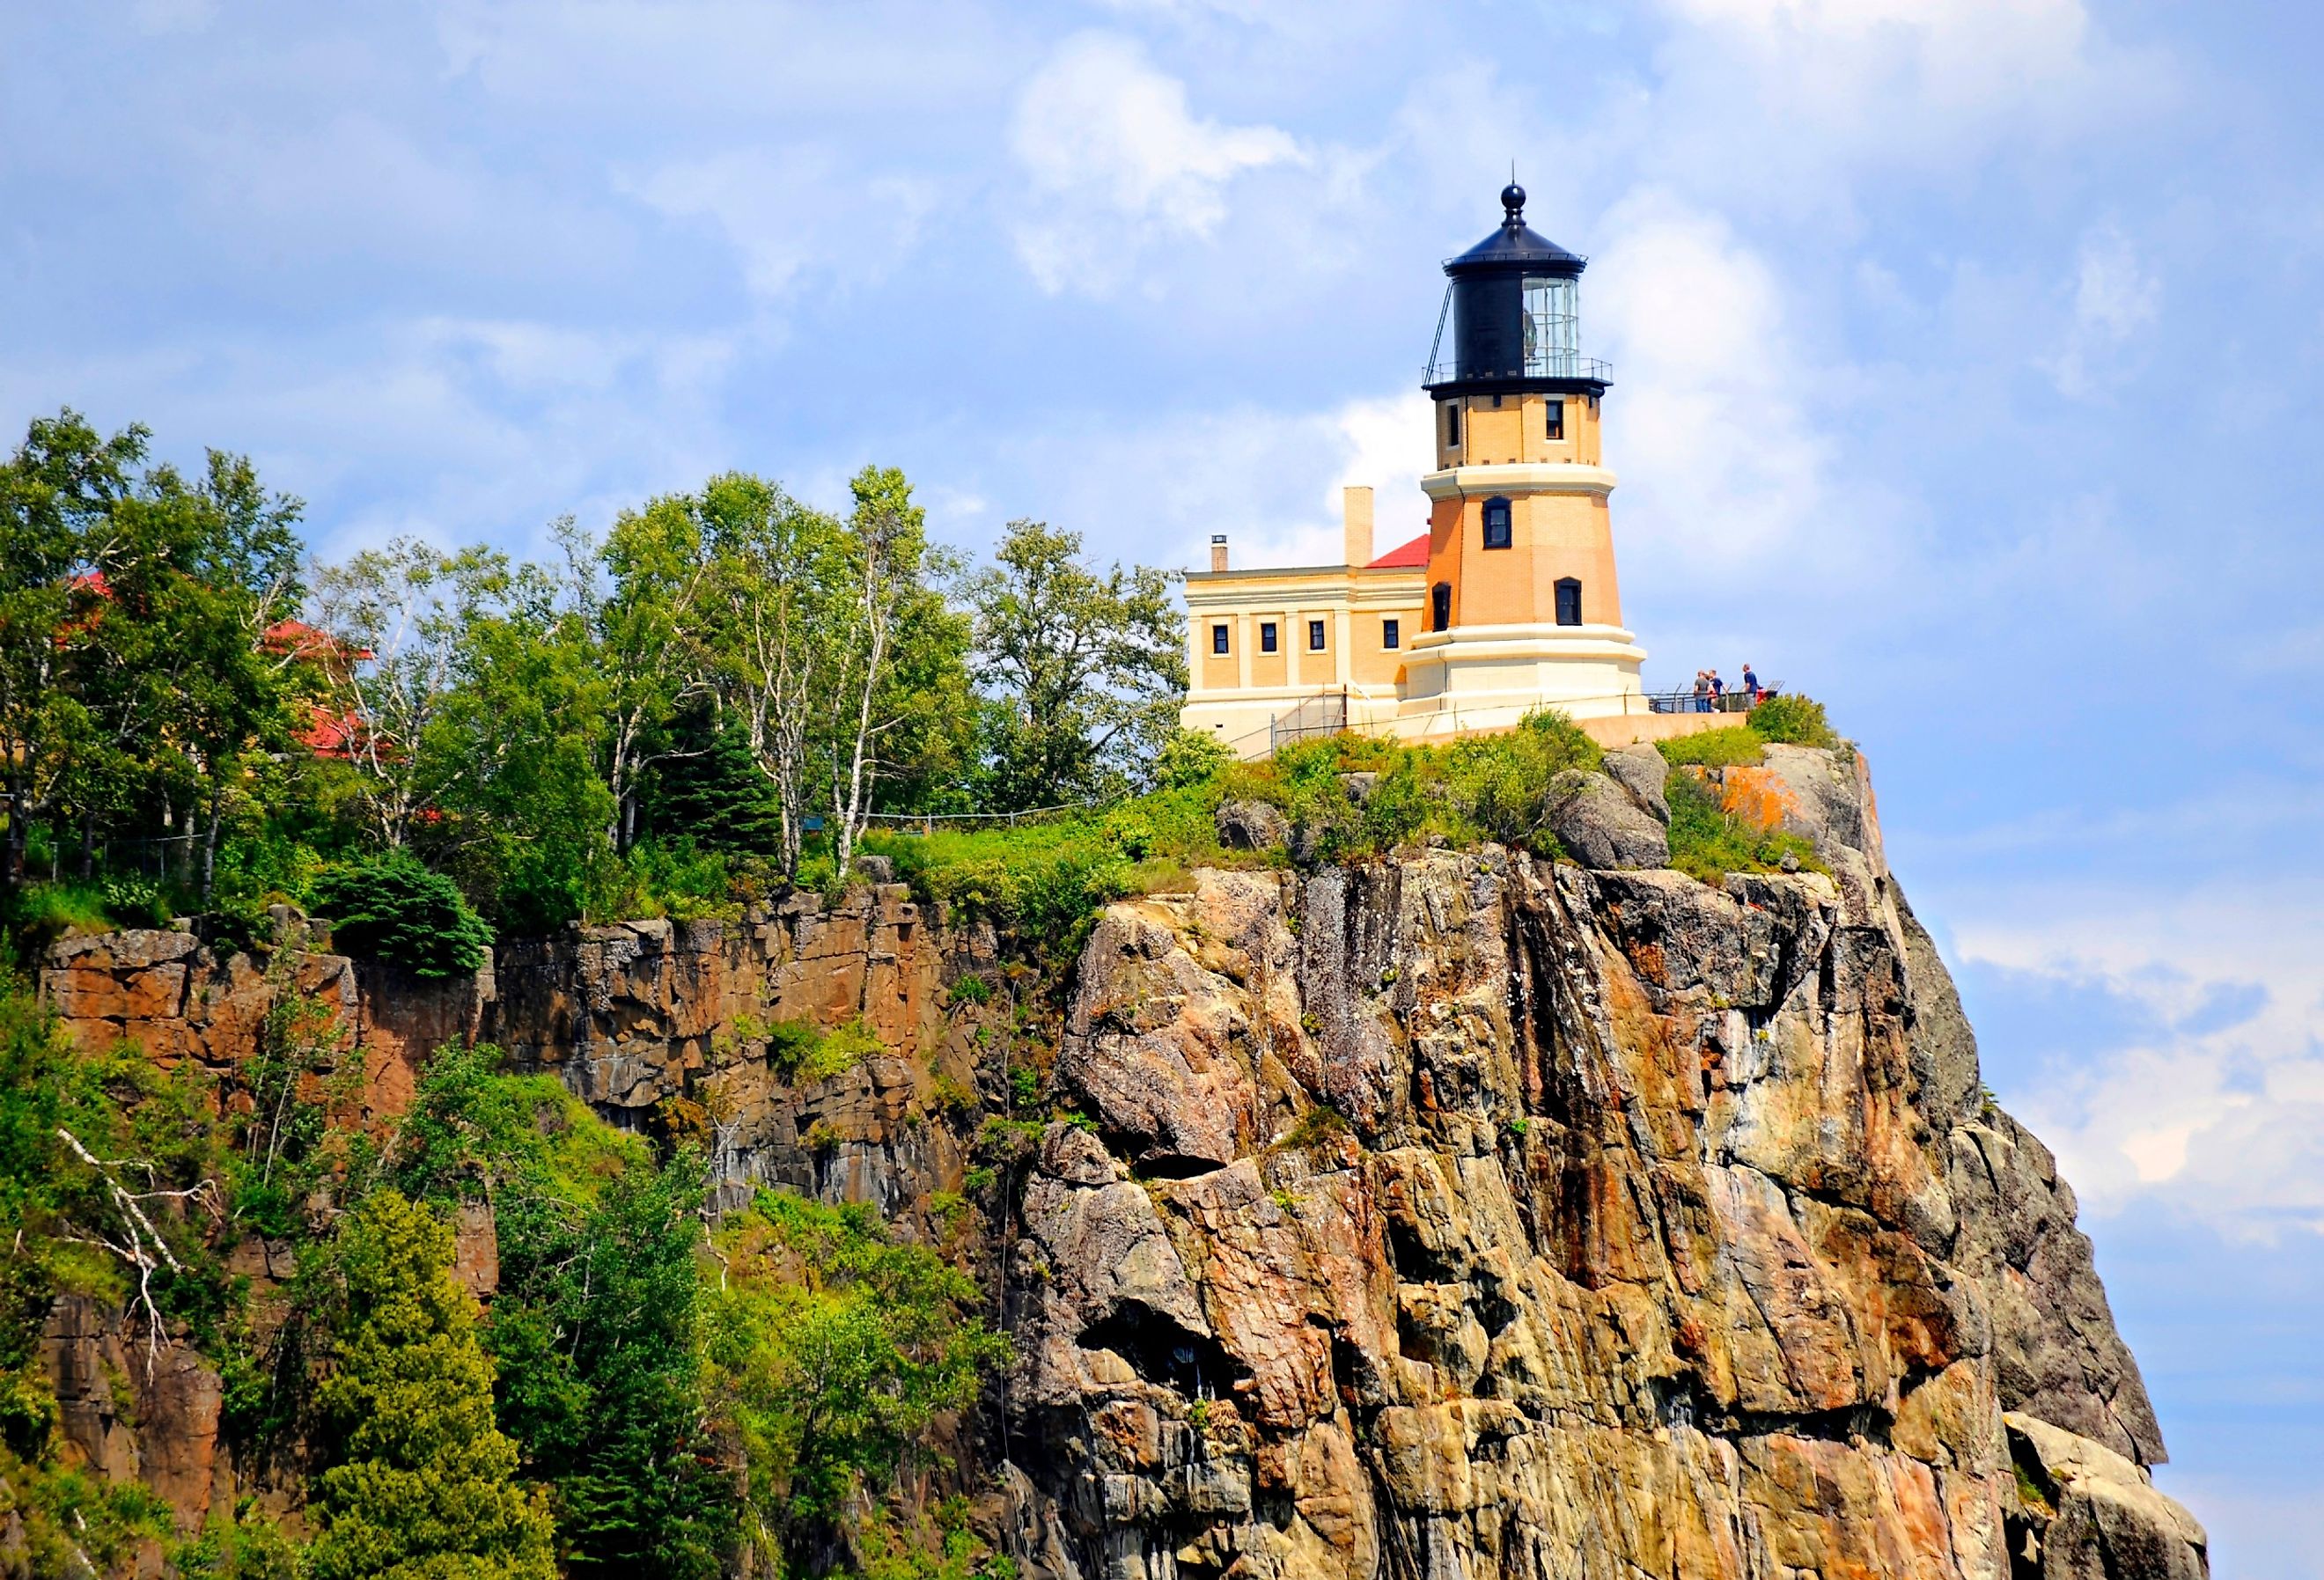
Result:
pixel 1356 523
pixel 1218 551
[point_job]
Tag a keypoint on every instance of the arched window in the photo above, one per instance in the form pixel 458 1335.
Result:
pixel 1569 601
pixel 1496 523
pixel 1439 606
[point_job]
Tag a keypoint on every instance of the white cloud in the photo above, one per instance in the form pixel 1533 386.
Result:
pixel 792 211
pixel 1706 415
pixel 2115 299
pixel 1791 101
pixel 2215 1105
pixel 1116 158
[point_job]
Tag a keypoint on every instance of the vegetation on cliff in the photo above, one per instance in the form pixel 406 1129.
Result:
pixel 648 1391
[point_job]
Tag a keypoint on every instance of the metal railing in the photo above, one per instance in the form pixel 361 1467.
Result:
pixel 1555 364
pixel 1691 701
pixel 1326 714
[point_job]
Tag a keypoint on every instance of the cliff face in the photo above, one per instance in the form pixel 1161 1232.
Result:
pixel 1453 1215
pixel 1663 1230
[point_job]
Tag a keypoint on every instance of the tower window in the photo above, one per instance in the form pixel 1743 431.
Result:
pixel 1218 639
pixel 1439 606
pixel 1315 636
pixel 1267 636
pixel 1568 602
pixel 1496 523
pixel 1452 425
pixel 1557 419
pixel 1391 634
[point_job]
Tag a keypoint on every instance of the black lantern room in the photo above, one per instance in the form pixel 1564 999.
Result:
pixel 1512 311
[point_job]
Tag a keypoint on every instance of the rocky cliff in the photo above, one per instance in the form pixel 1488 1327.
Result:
pixel 1458 1213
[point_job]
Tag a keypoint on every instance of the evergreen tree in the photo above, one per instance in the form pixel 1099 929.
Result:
pixel 707 787
pixel 425 1488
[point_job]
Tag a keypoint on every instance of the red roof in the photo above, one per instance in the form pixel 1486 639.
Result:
pixel 1409 555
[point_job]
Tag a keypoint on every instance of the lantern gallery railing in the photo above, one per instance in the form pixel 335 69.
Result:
pixel 1553 365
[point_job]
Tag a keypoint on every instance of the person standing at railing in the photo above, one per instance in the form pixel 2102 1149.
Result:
pixel 1718 693
pixel 1750 684
pixel 1702 691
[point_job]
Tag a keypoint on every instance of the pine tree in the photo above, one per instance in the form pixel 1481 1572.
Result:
pixel 709 789
pixel 425 1488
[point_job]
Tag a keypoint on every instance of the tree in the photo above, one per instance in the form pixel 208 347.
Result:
pixel 401 613
pixel 1082 672
pixel 649 660
pixel 775 560
pixel 841 657
pixel 596 1322
pixel 57 494
pixel 884 603
pixel 424 1484
pixel 833 1348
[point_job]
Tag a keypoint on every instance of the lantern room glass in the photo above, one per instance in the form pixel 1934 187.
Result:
pixel 1552 328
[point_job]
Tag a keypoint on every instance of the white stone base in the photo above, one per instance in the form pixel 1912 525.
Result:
pixel 1469 680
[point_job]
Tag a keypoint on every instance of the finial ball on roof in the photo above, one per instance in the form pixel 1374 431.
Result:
pixel 1513 201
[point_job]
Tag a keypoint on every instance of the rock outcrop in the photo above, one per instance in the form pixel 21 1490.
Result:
pixel 1452 1214
pixel 1462 1214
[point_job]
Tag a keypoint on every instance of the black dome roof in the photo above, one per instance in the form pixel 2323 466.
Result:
pixel 1515 245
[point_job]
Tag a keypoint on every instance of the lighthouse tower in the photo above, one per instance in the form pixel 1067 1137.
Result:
pixel 1523 609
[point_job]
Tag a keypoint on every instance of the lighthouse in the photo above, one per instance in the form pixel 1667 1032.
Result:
pixel 1523 606
pixel 1507 603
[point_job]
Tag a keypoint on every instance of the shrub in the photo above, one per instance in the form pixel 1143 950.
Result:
pixel 394 909
pixel 1708 843
pixel 1736 746
pixel 803 1053
pixel 1189 758
pixel 1500 783
pixel 1798 721
pixel 972 989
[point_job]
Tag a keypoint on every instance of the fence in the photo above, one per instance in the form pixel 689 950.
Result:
pixel 1326 714
pixel 1689 701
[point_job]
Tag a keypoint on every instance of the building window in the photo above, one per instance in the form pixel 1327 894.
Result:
pixel 1315 636
pixel 1439 606
pixel 1568 602
pixel 1218 639
pixel 1391 634
pixel 1452 425
pixel 1267 636
pixel 1496 523
pixel 1557 419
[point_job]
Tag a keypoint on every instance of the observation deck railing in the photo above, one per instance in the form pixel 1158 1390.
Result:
pixel 1555 364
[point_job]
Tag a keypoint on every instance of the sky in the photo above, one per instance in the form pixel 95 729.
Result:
pixel 1968 358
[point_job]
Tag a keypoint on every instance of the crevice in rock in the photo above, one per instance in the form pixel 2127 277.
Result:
pixel 1164 1351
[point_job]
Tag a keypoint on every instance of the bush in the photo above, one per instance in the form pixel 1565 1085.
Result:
pixel 1189 758
pixel 394 909
pixel 1736 746
pixel 1708 843
pixel 1798 721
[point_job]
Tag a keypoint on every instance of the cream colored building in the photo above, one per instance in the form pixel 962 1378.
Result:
pixel 1510 601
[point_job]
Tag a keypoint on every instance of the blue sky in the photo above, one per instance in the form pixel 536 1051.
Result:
pixel 1968 353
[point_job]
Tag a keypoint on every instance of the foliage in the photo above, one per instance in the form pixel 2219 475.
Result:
pixel 394 909
pixel 1735 746
pixel 1188 759
pixel 803 1053
pixel 1799 721
pixel 1081 670
pixel 422 1480
pixel 833 1349
pixel 1708 843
